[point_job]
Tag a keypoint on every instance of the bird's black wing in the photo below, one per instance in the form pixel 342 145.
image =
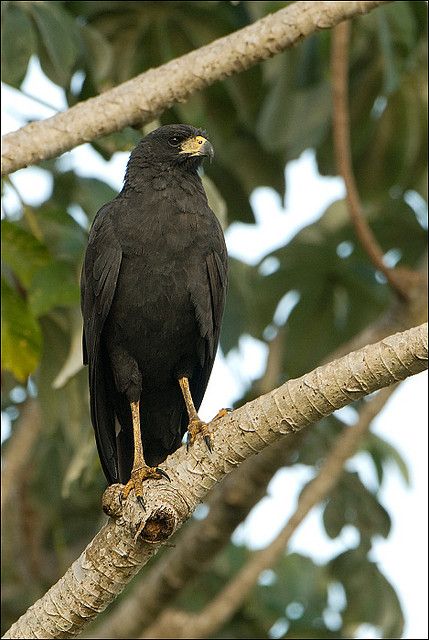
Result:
pixel 217 279
pixel 208 296
pixel 98 283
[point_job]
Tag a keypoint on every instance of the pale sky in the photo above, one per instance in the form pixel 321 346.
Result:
pixel 403 557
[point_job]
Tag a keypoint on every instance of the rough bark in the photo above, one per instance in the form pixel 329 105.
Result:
pixel 178 624
pixel 132 536
pixel 229 503
pixel 143 98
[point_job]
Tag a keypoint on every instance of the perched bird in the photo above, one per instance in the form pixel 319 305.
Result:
pixel 153 290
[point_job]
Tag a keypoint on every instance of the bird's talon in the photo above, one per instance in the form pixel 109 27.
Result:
pixel 196 427
pixel 208 442
pixel 163 474
pixel 135 483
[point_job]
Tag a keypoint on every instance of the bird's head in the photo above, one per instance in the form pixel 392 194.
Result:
pixel 176 144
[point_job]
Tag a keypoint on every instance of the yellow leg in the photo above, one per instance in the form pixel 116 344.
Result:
pixel 192 412
pixel 138 446
pixel 140 471
pixel 196 425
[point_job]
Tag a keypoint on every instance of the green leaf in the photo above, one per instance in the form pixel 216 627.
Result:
pixel 247 92
pixel 22 252
pixel 91 9
pixel 18 43
pixel 391 77
pixel 98 54
pixel 59 40
pixel 21 338
pixel 254 165
pixel 53 286
pixel 239 304
pixel 67 406
pixel 319 441
pixel 383 453
pixel 89 193
pixel 286 131
pixel 73 363
pixel 124 140
pixel 352 503
pixel 291 101
pixel 370 597
pixel 338 297
pixel 403 27
pixel 308 70
pixel 62 234
pixel 231 189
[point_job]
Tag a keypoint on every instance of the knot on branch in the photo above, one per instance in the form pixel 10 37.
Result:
pixel 158 527
pixel 153 524
pixel 111 501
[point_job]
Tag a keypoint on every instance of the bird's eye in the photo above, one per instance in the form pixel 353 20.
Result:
pixel 174 141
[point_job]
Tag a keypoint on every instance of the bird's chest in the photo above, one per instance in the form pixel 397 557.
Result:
pixel 164 233
pixel 161 259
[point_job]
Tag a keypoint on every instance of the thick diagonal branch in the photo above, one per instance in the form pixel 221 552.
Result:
pixel 399 279
pixel 177 624
pixel 229 503
pixel 232 500
pixel 129 539
pixel 143 98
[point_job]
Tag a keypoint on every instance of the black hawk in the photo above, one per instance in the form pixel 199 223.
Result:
pixel 153 290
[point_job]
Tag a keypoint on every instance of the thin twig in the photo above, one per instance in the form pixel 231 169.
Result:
pixel 40 101
pixel 341 130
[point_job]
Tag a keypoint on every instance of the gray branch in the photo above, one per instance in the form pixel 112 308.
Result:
pixel 143 98
pixel 132 536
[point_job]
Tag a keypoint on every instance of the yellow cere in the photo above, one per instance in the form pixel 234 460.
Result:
pixel 192 145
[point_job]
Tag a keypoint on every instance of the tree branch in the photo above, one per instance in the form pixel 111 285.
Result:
pixel 19 449
pixel 131 537
pixel 175 624
pixel 229 503
pixel 21 548
pixel 143 98
pixel 399 279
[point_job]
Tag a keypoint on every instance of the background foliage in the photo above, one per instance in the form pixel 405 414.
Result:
pixel 258 121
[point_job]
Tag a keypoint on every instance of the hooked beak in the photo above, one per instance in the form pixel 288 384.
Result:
pixel 197 146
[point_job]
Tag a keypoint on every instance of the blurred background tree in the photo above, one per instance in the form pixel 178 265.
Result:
pixel 258 122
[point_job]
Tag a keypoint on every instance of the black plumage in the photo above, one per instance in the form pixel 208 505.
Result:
pixel 153 291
